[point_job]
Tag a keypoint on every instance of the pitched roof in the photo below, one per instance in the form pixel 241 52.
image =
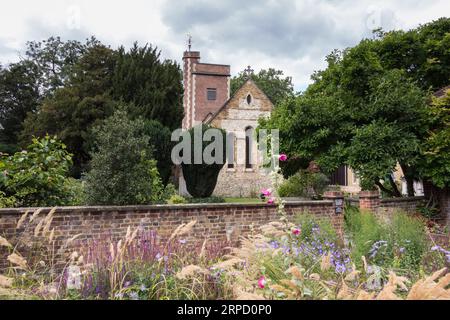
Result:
pixel 210 117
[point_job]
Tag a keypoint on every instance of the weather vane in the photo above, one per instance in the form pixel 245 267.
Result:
pixel 189 42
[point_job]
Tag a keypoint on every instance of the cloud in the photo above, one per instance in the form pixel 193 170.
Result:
pixel 294 36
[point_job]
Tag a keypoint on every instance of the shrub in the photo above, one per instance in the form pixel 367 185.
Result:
pixel 408 240
pixel 6 202
pixel 201 179
pixel 37 176
pixel 399 242
pixel 122 170
pixel 160 142
pixel 304 184
pixel 176 199
pixel 75 188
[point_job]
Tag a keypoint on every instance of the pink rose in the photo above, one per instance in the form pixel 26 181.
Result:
pixel 266 192
pixel 262 282
pixel 271 201
pixel 282 157
pixel 296 232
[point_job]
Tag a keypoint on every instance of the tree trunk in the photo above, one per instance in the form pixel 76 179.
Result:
pixel 393 193
pixel 394 187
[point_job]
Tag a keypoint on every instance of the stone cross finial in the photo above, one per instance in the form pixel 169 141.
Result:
pixel 248 72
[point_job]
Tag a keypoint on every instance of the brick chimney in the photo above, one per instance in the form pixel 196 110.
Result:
pixel 206 88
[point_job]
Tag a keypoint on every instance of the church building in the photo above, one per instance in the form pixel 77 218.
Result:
pixel 207 99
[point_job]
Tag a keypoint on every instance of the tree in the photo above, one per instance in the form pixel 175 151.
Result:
pixel 272 82
pixel 201 179
pixel 367 109
pixel 54 59
pixel 122 170
pixel 19 94
pixel 38 175
pixel 160 142
pixel 436 147
pixel 74 109
pixel 151 87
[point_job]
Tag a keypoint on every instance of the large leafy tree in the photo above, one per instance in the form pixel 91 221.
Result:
pixel 368 108
pixel 19 94
pixel 436 147
pixel 73 109
pixel 272 82
pixel 55 59
pixel 151 86
pixel 46 66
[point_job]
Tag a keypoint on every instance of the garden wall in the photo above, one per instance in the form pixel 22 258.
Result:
pixel 214 221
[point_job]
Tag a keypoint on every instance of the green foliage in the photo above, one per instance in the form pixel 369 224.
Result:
pixel 160 142
pixel 76 192
pixel 122 170
pixel 176 199
pixel 315 229
pixel 272 82
pixel 399 242
pixel 19 94
pixel 55 59
pixel 72 111
pixel 304 184
pixel 368 109
pixel 407 240
pixel 213 199
pixel 37 176
pixel 7 202
pixel 88 84
pixel 436 147
pixel 201 179
pixel 152 87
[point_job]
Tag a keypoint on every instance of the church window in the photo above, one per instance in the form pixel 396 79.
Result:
pixel 248 147
pixel 211 94
pixel 230 149
pixel 249 99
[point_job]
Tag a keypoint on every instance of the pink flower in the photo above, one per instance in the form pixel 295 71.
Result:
pixel 266 192
pixel 271 201
pixel 262 282
pixel 282 157
pixel 296 232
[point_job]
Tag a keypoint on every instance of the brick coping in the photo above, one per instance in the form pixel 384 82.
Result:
pixel 9 211
pixel 403 199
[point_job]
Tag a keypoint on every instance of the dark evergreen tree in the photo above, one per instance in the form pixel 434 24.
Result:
pixel 151 85
pixel 19 94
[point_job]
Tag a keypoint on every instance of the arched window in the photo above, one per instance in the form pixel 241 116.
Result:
pixel 248 147
pixel 249 99
pixel 230 149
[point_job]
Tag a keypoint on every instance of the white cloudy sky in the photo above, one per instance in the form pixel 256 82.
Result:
pixel 290 35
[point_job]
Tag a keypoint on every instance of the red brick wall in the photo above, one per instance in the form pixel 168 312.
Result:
pixel 202 105
pixel 213 221
pixel 197 78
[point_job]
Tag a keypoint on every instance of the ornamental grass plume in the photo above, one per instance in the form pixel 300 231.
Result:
pixel 5 243
pixel 191 271
pixel 18 261
pixel 429 289
pixel 22 219
pixel 6 282
pixel 182 229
